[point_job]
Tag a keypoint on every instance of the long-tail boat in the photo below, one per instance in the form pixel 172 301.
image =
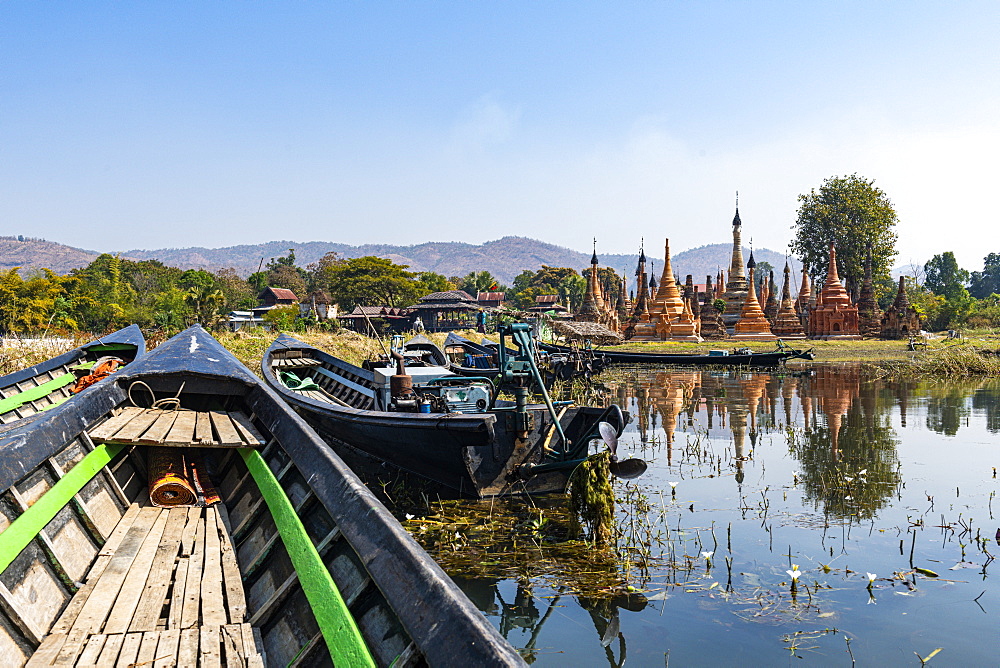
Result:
pixel 49 383
pixel 253 545
pixel 447 429
pixel 738 357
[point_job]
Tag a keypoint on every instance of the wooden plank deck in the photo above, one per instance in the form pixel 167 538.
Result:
pixel 178 428
pixel 162 593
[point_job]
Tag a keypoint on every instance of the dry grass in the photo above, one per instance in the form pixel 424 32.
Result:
pixel 249 346
pixel 15 356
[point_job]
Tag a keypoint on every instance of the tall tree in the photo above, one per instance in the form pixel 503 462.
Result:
pixel 944 277
pixel 984 283
pixel 858 217
pixel 372 281
pixel 433 282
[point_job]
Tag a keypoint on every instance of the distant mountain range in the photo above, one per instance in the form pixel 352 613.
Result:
pixel 504 258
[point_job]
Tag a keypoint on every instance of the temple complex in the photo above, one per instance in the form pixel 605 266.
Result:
pixel 900 320
pixel 736 286
pixel 869 313
pixel 752 325
pixel 712 326
pixel 834 316
pixel 786 323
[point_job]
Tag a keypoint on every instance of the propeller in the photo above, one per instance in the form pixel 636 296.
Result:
pixel 627 469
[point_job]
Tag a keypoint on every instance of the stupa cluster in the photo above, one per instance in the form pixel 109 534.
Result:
pixel 742 306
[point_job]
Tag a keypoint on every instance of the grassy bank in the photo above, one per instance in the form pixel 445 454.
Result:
pixel 349 346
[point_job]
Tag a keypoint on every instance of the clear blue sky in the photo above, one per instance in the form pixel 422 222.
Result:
pixel 154 124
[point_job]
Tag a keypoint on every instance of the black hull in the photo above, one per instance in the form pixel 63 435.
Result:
pixel 128 344
pixel 768 359
pixel 473 454
pixel 407 610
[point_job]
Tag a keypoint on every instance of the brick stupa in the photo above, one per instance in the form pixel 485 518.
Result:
pixel 802 301
pixel 771 304
pixel 786 323
pixel 869 314
pixel 640 328
pixel 712 326
pixel 752 325
pixel 901 320
pixel 834 316
pixel 736 286
pixel 668 310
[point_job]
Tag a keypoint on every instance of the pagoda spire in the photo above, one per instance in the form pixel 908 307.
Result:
pixel 592 308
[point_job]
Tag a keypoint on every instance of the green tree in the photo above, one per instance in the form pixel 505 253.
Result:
pixel 572 290
pixel 478 281
pixel 432 282
pixel 858 217
pixel 372 281
pixel 944 277
pixel 319 271
pixel 984 283
pixel 238 294
pixel 202 295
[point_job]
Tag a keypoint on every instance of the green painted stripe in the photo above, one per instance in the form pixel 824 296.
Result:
pixel 108 347
pixel 33 393
pixel 23 530
pixel 343 639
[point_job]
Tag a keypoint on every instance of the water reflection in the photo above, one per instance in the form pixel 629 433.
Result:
pixel 828 471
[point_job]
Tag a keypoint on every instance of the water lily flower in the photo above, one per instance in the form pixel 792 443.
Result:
pixel 672 484
pixel 871 579
pixel 863 472
pixel 708 555
pixel 848 478
pixel 794 573
pixel 409 516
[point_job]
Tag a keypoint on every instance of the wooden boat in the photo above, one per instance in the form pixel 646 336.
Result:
pixel 468 358
pixel 464 440
pixel 473 359
pixel 739 357
pixel 298 564
pixel 48 384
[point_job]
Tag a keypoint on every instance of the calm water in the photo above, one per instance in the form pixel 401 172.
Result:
pixel 833 472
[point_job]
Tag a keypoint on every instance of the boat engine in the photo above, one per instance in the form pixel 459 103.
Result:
pixel 431 389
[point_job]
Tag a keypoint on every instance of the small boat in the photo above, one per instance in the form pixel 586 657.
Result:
pixel 447 429
pixel 468 358
pixel 473 359
pixel 418 351
pixel 182 514
pixel 738 357
pixel 50 383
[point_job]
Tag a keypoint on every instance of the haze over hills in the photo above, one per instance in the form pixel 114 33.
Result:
pixel 38 253
pixel 504 258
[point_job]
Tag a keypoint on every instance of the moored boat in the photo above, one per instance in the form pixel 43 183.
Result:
pixel 447 429
pixel 738 357
pixel 49 383
pixel 280 557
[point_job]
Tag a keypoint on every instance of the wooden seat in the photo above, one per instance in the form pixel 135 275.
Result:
pixel 179 428
pixel 164 591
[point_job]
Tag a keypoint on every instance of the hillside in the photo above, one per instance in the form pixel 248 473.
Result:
pixel 504 258
pixel 38 253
